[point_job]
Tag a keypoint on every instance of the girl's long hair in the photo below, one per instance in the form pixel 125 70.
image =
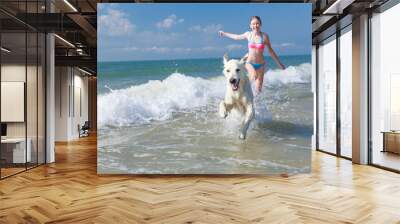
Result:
pixel 257 18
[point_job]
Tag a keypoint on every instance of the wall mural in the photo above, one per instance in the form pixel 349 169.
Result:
pixel 204 88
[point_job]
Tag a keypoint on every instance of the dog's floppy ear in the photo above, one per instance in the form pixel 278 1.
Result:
pixel 225 58
pixel 243 60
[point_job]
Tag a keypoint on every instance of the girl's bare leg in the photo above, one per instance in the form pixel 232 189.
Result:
pixel 259 79
pixel 252 72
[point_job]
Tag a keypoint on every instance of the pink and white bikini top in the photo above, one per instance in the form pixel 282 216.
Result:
pixel 253 45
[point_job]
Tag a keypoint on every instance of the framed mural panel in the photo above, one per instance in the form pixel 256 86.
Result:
pixel 204 88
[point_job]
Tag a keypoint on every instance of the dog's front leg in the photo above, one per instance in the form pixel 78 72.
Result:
pixel 224 109
pixel 246 121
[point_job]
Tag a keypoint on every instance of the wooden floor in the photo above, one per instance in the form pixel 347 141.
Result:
pixel 387 159
pixel 10 171
pixel 70 191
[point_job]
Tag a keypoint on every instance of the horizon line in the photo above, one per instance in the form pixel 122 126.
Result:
pixel 173 59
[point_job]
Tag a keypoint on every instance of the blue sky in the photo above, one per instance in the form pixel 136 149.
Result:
pixel 151 31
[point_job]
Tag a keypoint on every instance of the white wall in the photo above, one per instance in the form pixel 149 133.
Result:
pixel 80 83
pixel 62 81
pixel 13 72
pixel 314 91
pixel 70 83
pixel 33 126
pixel 12 101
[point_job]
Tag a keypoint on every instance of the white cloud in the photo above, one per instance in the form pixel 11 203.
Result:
pixel 104 6
pixel 169 22
pixel 212 28
pixel 115 23
pixel 195 28
pixel 182 50
pixel 232 47
pixel 157 49
pixel 284 45
pixel 130 48
pixel 149 38
pixel 287 44
pixel 210 48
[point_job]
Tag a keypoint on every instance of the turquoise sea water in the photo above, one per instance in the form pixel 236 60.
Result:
pixel 161 117
pixel 118 75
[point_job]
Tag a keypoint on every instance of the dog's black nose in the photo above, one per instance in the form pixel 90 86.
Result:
pixel 232 81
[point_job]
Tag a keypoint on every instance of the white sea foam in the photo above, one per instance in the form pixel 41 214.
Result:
pixel 230 161
pixel 158 100
pixel 292 74
pixel 137 155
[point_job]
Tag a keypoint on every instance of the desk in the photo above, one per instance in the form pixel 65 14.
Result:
pixel 16 147
pixel 391 141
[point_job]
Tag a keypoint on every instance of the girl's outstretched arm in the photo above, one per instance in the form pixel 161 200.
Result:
pixel 272 52
pixel 233 36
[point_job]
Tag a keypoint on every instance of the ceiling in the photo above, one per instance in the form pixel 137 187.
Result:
pixel 77 25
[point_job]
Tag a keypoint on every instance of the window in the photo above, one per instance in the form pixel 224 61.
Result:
pixel 346 92
pixel 22 68
pixel 385 87
pixel 327 95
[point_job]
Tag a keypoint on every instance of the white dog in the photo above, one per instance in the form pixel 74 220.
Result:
pixel 239 94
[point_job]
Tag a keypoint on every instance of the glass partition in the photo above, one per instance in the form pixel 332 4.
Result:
pixel 33 7
pixel 327 95
pixel 346 92
pixel 385 89
pixel 31 100
pixel 13 105
pixel 41 79
pixel 22 77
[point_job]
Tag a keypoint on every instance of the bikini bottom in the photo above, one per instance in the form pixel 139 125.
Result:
pixel 256 66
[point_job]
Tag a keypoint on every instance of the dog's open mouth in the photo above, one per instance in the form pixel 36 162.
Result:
pixel 235 84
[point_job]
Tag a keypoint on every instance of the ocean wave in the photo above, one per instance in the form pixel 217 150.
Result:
pixel 292 74
pixel 159 99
